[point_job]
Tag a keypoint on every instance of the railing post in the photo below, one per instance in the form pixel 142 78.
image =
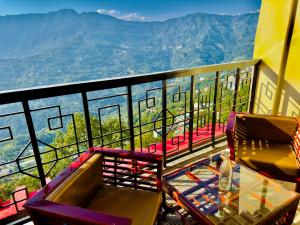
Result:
pixel 130 117
pixel 164 122
pixel 253 87
pixel 213 128
pixel 236 89
pixel 34 142
pixel 87 119
pixel 191 121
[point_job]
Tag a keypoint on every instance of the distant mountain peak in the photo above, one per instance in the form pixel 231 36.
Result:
pixel 66 46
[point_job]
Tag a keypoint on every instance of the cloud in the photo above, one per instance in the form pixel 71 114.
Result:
pixel 133 16
pixel 110 12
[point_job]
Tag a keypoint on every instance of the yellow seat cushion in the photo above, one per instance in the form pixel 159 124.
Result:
pixel 274 158
pixel 138 205
pixel 81 185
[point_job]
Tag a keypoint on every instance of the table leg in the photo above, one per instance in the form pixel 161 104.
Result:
pixel 166 208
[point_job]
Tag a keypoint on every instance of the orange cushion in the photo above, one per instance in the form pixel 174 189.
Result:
pixel 274 158
pixel 138 205
pixel 81 185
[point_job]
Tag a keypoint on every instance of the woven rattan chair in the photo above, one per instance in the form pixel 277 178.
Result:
pixel 267 144
pixel 102 187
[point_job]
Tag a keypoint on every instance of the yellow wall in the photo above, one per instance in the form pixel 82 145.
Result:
pixel 271 45
pixel 290 101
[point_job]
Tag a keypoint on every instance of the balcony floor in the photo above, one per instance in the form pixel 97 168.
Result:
pixel 173 219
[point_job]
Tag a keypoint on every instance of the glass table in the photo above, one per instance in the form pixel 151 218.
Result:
pixel 253 198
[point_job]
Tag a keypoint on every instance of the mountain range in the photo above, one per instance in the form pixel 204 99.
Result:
pixel 66 46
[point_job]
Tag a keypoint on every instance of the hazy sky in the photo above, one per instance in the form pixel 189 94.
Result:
pixel 133 9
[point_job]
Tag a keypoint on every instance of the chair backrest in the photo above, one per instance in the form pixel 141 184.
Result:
pixel 263 127
pixel 81 185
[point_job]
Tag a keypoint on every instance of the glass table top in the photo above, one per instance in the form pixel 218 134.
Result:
pixel 251 198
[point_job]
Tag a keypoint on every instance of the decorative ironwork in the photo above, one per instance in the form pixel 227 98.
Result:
pixel 159 118
pixel 20 158
pixel 105 113
pixel 168 113
pixel 10 137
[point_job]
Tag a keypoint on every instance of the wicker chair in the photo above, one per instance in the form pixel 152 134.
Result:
pixel 267 144
pixel 102 187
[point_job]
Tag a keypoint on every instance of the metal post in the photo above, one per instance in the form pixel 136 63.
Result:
pixel 87 119
pixel 130 117
pixel 213 128
pixel 34 142
pixel 253 87
pixel 121 128
pixel 236 89
pixel 164 122
pixel 191 121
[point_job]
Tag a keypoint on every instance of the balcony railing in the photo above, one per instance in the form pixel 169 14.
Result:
pixel 170 113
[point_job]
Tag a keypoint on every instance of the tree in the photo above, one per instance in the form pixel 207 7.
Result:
pixel 67 144
pixel 72 141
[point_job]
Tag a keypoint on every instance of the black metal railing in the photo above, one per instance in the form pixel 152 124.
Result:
pixel 169 113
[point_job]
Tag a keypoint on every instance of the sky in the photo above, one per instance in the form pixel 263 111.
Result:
pixel 138 10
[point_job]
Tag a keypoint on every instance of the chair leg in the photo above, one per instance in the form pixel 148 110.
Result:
pixel 165 207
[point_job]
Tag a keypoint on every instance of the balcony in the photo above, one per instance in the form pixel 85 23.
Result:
pixel 173 114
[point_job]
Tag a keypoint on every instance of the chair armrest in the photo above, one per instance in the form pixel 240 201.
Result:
pixel 142 169
pixel 147 157
pixel 72 214
pixel 230 133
